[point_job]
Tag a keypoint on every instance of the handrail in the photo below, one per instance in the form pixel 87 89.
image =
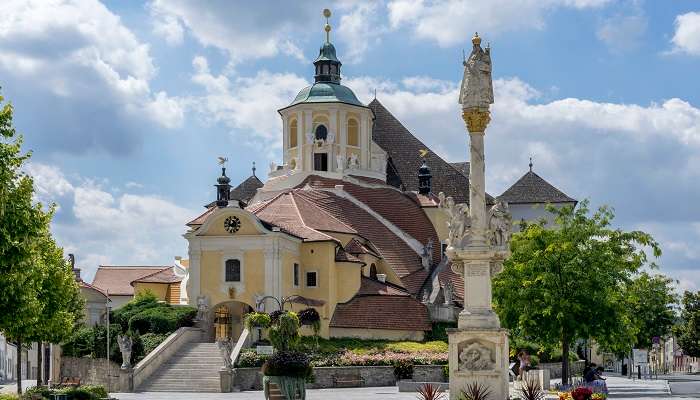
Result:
pixel 239 346
pixel 172 343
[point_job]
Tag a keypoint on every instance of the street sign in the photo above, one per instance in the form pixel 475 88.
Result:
pixel 640 356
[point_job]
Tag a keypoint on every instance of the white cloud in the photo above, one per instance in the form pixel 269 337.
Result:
pixel 359 28
pixel 623 33
pixel 78 51
pixel 245 33
pixel 637 158
pixel 686 39
pixel 239 102
pixel 436 20
pixel 102 227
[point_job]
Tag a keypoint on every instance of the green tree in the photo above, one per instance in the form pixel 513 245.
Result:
pixel 650 300
pixel 37 299
pixel 563 284
pixel 688 330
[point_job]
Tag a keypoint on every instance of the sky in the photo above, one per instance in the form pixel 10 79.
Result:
pixel 125 106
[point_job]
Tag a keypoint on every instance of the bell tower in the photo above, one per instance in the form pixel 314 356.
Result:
pixel 327 130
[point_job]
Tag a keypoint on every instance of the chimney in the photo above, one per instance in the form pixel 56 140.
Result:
pixel 381 278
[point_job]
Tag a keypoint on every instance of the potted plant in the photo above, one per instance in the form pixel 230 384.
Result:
pixel 286 372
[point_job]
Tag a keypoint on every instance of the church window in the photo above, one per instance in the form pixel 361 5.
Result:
pixel 443 247
pixel 373 271
pixel 233 271
pixel 295 274
pixel 312 279
pixel 353 133
pixel 321 132
pixel 293 133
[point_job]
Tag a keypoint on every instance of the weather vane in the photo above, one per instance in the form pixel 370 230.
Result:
pixel 222 160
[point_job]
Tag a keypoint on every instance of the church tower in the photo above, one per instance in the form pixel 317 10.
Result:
pixel 327 131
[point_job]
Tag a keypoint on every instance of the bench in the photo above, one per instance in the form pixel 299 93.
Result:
pixel 348 380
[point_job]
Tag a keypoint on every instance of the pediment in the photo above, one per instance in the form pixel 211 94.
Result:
pixel 232 221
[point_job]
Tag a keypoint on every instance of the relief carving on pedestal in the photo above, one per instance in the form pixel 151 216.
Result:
pixel 476 355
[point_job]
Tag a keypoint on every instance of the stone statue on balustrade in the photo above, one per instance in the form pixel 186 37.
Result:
pixel 225 349
pixel 477 85
pixel 458 221
pixel 500 224
pixel 125 344
pixel 202 307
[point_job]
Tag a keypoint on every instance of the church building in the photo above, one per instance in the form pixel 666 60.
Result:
pixel 348 223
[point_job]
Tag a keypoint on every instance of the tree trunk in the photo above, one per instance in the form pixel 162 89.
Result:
pixel 39 351
pixel 19 367
pixel 564 359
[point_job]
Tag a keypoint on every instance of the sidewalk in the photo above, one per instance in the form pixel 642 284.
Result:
pixel 11 387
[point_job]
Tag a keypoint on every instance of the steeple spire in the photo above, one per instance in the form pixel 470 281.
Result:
pixel 530 164
pixel 253 168
pixel 327 64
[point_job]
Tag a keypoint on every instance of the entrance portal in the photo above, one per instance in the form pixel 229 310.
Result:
pixel 227 320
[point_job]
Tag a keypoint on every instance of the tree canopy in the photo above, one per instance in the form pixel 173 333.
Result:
pixel 688 330
pixel 40 299
pixel 566 282
pixel 650 300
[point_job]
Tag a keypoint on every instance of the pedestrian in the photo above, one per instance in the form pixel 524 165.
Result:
pixel 524 359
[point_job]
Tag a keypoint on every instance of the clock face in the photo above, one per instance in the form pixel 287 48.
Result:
pixel 232 224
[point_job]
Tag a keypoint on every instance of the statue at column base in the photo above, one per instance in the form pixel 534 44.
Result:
pixel 478 355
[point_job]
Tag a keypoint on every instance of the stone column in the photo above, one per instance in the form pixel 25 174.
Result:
pixel 477 120
pixel 226 380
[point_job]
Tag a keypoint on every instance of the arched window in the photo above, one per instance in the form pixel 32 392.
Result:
pixel 233 270
pixel 321 132
pixel 353 133
pixel 293 133
pixel 373 271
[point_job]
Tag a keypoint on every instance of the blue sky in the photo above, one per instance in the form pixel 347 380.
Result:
pixel 126 105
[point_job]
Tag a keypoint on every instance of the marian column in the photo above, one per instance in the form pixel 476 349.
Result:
pixel 477 245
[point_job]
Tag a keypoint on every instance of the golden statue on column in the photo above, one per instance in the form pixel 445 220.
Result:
pixel 478 244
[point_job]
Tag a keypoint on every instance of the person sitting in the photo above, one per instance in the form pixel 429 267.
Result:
pixel 590 373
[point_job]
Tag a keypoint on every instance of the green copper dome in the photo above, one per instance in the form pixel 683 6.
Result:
pixel 327 92
pixel 327 53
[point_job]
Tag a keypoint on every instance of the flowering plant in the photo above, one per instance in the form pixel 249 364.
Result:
pixel 582 393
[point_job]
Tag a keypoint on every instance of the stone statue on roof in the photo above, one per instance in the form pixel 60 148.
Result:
pixel 477 85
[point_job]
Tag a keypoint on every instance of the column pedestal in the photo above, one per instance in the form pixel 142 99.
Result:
pixel 126 380
pixel 226 380
pixel 478 356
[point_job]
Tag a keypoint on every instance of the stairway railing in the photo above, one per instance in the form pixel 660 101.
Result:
pixel 146 367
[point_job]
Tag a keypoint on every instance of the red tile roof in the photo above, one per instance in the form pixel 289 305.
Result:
pixel 370 287
pixel 342 256
pixel 382 312
pixel 163 276
pixel 116 280
pixel 203 217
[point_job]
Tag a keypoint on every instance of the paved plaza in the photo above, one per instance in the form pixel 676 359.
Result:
pixel 620 388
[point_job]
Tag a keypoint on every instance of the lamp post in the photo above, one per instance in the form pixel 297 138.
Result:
pixel 109 377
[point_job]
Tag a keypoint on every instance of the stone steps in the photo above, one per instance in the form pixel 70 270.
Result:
pixel 195 368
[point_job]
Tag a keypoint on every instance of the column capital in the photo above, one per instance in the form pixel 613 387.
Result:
pixel 476 119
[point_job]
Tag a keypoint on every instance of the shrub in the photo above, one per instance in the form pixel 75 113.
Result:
pixel 310 317
pixel 154 320
pixel 250 358
pixel 8 396
pixel 530 389
pixel 475 391
pixel 97 391
pixel 288 363
pixel 403 369
pixel 429 391
pixel 257 320
pixel 284 334
pixel 151 340
pixel 275 315
pixel 438 331
pixel 35 391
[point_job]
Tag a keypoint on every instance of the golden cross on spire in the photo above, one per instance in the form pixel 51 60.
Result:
pixel 327 28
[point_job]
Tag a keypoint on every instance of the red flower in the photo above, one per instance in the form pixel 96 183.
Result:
pixel 582 393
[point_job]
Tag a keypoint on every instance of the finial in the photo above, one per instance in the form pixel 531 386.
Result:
pixel 253 168
pixel 476 40
pixel 530 164
pixel 222 160
pixel 375 93
pixel 327 28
